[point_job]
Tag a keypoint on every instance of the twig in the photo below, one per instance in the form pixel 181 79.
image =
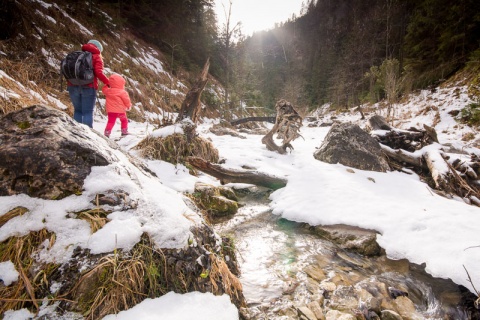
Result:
pixel 429 190
pixel 470 280
pixel 471 247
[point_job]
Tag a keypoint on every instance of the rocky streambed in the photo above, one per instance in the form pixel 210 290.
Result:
pixel 295 271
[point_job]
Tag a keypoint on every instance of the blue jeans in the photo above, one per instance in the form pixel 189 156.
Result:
pixel 83 100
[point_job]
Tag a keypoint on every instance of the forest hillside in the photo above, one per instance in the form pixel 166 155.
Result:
pixel 342 53
pixel 37 35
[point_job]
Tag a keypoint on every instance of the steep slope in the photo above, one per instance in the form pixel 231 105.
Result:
pixel 37 34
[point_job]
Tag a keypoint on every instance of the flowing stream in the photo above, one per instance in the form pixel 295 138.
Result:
pixel 284 267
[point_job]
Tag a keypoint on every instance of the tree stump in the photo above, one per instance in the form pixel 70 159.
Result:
pixel 287 125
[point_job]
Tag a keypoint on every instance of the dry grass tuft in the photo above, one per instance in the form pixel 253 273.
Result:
pixel 124 279
pixel 220 273
pixel 20 250
pixel 18 211
pixel 115 284
pixel 176 148
pixel 97 218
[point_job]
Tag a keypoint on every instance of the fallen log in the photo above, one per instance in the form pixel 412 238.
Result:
pixel 244 120
pixel 237 176
pixel 445 171
pixel 439 171
pixel 403 156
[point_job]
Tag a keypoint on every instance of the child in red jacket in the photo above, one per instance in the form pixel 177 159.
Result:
pixel 118 102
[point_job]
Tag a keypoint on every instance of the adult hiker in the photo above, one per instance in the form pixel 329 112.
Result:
pixel 117 104
pixel 83 97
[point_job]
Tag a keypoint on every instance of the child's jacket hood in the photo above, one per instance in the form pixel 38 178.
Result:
pixel 117 81
pixel 117 99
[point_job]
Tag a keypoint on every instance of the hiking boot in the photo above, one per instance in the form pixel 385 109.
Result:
pixel 107 133
pixel 124 132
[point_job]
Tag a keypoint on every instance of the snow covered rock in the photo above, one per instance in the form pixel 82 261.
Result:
pixel 349 145
pixel 46 154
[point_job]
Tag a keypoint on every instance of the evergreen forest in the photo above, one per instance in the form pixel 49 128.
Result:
pixel 342 52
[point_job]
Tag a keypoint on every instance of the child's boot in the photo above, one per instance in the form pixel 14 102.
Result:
pixel 124 131
pixel 107 133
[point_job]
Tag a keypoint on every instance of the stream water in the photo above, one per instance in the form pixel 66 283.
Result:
pixel 284 267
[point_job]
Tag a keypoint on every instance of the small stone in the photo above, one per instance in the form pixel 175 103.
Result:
pixel 390 315
pixel 337 315
pixel 307 313
pixel 328 286
pixel 316 309
pixel 315 273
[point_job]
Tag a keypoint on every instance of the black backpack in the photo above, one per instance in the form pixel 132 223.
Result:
pixel 77 67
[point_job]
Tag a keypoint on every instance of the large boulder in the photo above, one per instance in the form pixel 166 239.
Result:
pixel 349 145
pixel 351 238
pixel 44 153
pixel 218 201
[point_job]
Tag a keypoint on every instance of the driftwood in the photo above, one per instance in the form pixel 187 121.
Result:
pixel 447 175
pixel 403 156
pixel 237 176
pixel 439 171
pixel 404 139
pixel 287 125
pixel 191 105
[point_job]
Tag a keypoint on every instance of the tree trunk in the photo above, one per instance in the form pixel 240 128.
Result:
pixel 191 105
pixel 237 176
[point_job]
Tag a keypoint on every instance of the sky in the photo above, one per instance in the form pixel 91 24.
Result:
pixel 257 15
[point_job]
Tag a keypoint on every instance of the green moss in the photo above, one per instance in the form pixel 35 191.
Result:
pixel 24 125
pixel 471 114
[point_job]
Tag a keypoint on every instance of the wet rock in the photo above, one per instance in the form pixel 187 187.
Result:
pixel 395 293
pixel 349 145
pixel 214 200
pixel 315 273
pixel 343 299
pixel 405 307
pixel 337 315
pixel 288 312
pixel 401 266
pixel 341 279
pixel 328 286
pixel 312 286
pixel 307 313
pixel 44 153
pixel 369 301
pixel 390 315
pixel 356 239
pixel 316 309
pixel 352 261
